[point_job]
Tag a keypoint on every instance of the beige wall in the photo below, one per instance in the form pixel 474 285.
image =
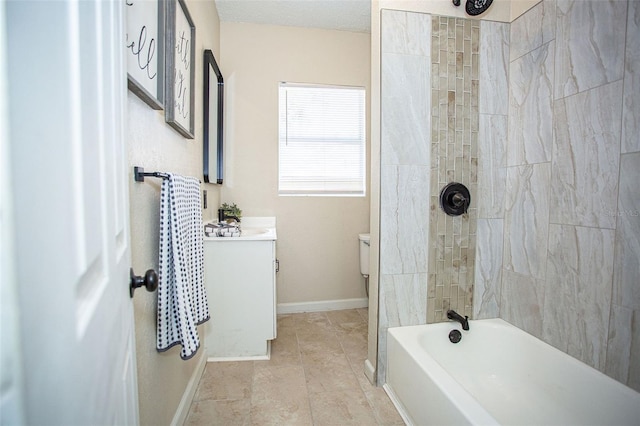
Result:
pixel 317 236
pixel 163 377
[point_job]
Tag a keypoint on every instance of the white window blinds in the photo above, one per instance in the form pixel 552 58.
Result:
pixel 322 140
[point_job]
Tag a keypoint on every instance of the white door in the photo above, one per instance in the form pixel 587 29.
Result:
pixel 11 412
pixel 66 97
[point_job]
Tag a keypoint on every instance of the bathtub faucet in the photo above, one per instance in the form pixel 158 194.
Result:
pixel 453 315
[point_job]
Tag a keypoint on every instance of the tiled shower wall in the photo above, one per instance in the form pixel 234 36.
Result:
pixel 492 166
pixel 454 158
pixel 558 229
pixel 561 260
pixel 405 173
pixel 429 137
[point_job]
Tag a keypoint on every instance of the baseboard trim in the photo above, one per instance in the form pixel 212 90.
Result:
pixel 370 371
pixel 265 357
pixel 322 305
pixel 190 391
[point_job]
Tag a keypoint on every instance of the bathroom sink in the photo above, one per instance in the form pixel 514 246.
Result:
pixel 250 232
pixel 246 234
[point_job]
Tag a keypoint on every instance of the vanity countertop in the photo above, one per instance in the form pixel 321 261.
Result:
pixel 252 229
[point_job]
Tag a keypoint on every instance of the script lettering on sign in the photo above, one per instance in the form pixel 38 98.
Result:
pixel 144 50
pixel 180 75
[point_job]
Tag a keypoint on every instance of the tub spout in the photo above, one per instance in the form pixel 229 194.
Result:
pixel 453 315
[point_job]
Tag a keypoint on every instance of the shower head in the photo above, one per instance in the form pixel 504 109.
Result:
pixel 475 7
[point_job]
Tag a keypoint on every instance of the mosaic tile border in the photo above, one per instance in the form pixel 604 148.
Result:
pixel 454 158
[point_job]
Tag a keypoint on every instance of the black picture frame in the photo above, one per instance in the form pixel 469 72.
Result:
pixel 145 27
pixel 180 73
pixel 213 116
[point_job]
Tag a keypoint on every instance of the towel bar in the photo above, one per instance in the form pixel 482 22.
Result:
pixel 139 174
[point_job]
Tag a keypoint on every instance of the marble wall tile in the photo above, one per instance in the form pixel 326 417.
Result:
pixel 545 287
pixel 586 156
pixel 492 172
pixel 623 362
pixel 405 299
pixel 522 301
pixel 494 67
pixel 402 302
pixel 531 107
pixel 590 42
pixel 406 33
pixel 404 224
pixel 488 275
pixel 578 285
pixel 406 96
pixel 525 32
pixel 405 172
pixel 533 29
pixel 527 220
pixel 548 20
pixel 631 109
pixel 626 281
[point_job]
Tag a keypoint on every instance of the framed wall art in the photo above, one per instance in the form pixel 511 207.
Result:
pixel 180 59
pixel 145 26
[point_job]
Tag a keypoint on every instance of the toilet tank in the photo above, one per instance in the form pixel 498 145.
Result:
pixel 364 254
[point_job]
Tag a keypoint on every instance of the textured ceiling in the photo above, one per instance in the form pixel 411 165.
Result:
pixel 344 15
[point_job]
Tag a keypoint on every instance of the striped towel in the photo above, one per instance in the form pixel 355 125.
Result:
pixel 182 298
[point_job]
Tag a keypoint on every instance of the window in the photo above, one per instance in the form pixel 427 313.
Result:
pixel 322 140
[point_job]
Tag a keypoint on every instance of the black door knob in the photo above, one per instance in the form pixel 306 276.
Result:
pixel 150 281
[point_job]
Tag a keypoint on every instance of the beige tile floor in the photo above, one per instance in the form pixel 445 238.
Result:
pixel 314 377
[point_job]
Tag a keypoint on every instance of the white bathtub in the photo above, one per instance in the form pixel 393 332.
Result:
pixel 498 375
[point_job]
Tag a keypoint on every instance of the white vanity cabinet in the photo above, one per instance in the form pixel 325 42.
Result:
pixel 240 277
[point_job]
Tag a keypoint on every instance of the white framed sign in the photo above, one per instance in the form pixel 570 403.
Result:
pixel 145 21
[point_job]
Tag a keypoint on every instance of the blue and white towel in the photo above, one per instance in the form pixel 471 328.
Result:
pixel 182 297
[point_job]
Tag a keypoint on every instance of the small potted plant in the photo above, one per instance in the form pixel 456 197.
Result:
pixel 229 212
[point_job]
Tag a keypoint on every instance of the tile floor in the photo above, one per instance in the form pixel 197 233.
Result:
pixel 314 377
